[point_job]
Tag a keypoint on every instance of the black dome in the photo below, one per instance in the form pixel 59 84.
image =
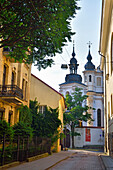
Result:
pixel 89 65
pixel 73 61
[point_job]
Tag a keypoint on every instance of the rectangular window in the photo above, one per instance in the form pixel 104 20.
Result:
pixel 42 109
pixel 98 81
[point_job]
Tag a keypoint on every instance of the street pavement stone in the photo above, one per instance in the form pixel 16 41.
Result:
pixel 81 161
pixel 70 160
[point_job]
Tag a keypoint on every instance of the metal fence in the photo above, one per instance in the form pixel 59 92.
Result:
pixel 22 148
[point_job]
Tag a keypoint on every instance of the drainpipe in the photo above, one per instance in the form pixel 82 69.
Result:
pixel 105 113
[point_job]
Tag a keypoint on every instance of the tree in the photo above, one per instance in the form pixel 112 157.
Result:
pixel 46 124
pixel 6 130
pixel 36 29
pixel 76 111
pixel 25 115
pixel 22 130
pixel 23 127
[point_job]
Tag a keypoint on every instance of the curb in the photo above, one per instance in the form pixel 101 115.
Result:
pixel 102 162
pixel 37 157
pixel 10 165
pixel 59 161
pixel 13 164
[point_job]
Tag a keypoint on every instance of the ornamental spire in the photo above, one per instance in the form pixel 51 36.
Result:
pixel 73 54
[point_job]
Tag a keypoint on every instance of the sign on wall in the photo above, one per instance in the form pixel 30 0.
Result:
pixel 88 135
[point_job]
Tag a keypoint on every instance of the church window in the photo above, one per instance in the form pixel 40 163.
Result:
pixel 94 79
pixel 99 117
pixel 98 81
pixel 90 78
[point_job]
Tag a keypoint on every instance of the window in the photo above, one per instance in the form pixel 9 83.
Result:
pixel 109 110
pixel 90 78
pixel 85 78
pixel 23 88
pixel 4 76
pixel 111 104
pixel 99 117
pixel 10 116
pixel 42 109
pixel 94 78
pixel 13 79
pixel 111 53
pixel 98 81
pixel 26 91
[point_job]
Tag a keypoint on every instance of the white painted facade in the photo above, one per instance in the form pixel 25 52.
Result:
pixel 93 87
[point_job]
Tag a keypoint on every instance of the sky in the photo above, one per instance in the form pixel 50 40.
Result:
pixel 86 24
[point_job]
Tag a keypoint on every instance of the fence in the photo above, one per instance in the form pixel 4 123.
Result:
pixel 22 148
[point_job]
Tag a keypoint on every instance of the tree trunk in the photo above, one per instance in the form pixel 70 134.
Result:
pixel 72 131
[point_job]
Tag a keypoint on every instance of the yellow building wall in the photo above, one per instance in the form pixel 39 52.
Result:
pixel 45 95
pixel 21 71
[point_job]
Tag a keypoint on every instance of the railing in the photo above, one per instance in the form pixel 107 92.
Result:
pixel 21 148
pixel 11 91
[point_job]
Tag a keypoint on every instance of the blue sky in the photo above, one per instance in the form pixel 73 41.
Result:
pixel 86 24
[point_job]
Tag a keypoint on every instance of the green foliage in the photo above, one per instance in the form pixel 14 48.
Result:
pixel 5 129
pixel 39 28
pixel 46 124
pixel 76 112
pixel 25 115
pixel 22 129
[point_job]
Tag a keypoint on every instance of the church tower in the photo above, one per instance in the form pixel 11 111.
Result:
pixel 73 79
pixel 93 78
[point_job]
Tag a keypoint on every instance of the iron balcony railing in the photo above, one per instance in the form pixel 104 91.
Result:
pixel 11 91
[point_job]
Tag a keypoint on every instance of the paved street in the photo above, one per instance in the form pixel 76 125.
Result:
pixel 65 160
pixel 82 160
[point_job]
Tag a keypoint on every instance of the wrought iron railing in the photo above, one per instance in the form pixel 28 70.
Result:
pixel 11 91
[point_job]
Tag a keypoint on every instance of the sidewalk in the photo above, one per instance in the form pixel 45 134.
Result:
pixel 45 163
pixel 107 161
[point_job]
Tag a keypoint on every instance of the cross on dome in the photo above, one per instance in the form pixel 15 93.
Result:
pixel 89 43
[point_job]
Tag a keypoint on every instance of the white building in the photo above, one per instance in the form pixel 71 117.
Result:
pixel 91 134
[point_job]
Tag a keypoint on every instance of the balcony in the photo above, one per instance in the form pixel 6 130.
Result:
pixel 11 93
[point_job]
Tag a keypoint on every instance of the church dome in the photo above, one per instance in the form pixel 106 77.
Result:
pixel 73 61
pixel 89 65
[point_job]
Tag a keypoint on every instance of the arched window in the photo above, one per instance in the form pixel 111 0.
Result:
pixel 90 78
pixel 99 117
pixel 98 81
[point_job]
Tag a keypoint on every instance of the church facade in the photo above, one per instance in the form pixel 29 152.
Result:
pixel 91 134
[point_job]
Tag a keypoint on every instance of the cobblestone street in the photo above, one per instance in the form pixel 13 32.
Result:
pixel 66 160
pixel 81 160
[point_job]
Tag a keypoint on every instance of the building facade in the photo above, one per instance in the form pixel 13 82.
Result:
pixel 106 52
pixel 91 133
pixel 14 87
pixel 49 97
